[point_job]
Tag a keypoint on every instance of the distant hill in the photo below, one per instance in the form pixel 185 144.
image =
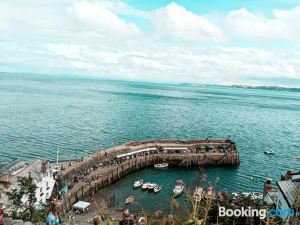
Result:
pixel 277 88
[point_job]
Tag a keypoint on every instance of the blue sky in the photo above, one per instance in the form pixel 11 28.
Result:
pixel 204 6
pixel 213 42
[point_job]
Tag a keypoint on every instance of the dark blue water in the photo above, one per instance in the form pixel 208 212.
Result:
pixel 40 114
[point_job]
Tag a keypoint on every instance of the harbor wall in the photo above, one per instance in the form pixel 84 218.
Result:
pixel 106 175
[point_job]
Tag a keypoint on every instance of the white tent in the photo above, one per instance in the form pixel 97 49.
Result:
pixel 136 152
pixel 84 206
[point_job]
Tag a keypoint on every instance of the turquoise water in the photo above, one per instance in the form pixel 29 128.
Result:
pixel 40 114
pixel 167 178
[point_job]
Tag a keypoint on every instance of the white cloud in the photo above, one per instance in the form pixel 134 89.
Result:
pixel 92 37
pixel 176 22
pixel 153 61
pixel 58 21
pixel 101 19
pixel 284 25
pixel 121 8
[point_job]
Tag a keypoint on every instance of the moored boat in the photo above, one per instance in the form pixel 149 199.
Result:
pixel 129 200
pixel 145 186
pixel 257 195
pixel 151 186
pixel 252 195
pixel 157 188
pixel 161 165
pixel 138 183
pixel 178 189
pixel 269 152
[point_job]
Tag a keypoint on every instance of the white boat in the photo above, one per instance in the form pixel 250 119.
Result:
pixel 138 183
pixel 161 165
pixel 129 200
pixel 178 190
pixel 157 188
pixel 151 186
pixel 257 195
pixel 145 186
pixel 234 195
pixel 252 195
pixel 269 152
pixel 198 193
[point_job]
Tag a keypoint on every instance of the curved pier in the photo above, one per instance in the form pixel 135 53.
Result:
pixel 107 166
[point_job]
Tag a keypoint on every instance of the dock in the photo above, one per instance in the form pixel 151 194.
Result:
pixel 87 176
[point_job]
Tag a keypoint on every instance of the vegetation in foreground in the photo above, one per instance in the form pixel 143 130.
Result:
pixel 204 212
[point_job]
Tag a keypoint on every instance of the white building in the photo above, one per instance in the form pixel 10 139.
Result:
pixel 41 173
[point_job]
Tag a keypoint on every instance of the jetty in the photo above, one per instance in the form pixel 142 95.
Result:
pixel 87 176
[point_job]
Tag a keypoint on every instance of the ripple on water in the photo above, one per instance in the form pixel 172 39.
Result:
pixel 39 114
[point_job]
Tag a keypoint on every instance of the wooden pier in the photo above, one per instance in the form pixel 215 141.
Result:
pixel 107 166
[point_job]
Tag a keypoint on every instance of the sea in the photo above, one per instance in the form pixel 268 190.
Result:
pixel 42 115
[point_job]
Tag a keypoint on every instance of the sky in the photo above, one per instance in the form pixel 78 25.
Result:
pixel 247 42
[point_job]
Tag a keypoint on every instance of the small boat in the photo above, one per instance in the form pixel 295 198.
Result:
pixel 151 186
pixel 145 186
pixel 198 194
pixel 138 183
pixel 157 188
pixel 269 152
pixel 129 200
pixel 251 195
pixel 161 165
pixel 234 195
pixel 257 195
pixel 178 189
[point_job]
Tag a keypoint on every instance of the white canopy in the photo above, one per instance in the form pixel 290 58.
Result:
pixel 136 152
pixel 81 205
pixel 175 148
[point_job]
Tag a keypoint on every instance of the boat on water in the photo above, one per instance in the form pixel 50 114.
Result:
pixel 129 200
pixel 157 188
pixel 161 165
pixel 269 152
pixel 145 186
pixel 198 193
pixel 151 186
pixel 252 195
pixel 257 195
pixel 138 183
pixel 178 189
